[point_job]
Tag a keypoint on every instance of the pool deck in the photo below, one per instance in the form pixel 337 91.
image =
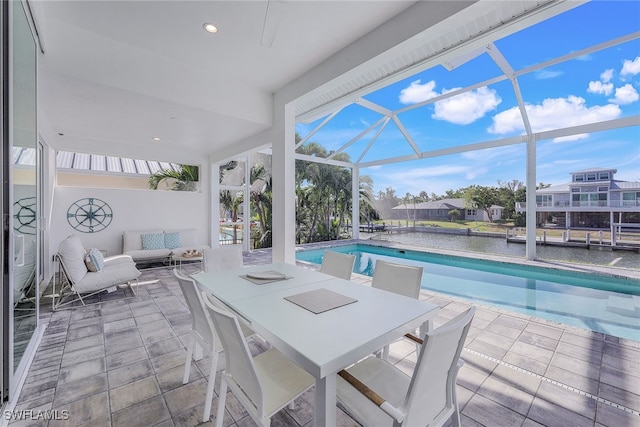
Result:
pixel 120 363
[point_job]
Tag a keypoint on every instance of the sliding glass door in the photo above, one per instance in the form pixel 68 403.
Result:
pixel 20 205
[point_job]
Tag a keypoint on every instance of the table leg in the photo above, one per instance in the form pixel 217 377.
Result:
pixel 325 401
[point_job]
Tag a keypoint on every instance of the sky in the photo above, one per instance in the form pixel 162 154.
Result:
pixel 599 86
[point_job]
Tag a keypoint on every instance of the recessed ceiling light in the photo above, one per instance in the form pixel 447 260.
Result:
pixel 210 28
pixel 156 138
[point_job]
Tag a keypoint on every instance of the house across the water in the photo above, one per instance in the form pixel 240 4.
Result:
pixel 593 199
pixel 441 210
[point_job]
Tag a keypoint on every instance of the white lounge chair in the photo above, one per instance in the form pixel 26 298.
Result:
pixel 75 281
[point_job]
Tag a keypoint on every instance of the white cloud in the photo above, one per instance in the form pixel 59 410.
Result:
pixel 413 174
pixel 630 67
pixel 547 74
pixel 417 92
pixel 600 87
pixel 467 107
pixel 553 113
pixel 572 137
pixel 606 75
pixel 476 172
pixel 625 95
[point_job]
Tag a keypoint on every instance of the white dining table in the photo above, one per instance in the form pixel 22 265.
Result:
pixel 324 343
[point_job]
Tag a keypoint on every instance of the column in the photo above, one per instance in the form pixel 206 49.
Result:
pixel 284 193
pixel 355 202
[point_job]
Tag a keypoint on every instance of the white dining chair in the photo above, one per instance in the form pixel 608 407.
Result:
pixel 400 279
pixel 222 258
pixel 263 384
pixel 338 264
pixel 376 393
pixel 203 337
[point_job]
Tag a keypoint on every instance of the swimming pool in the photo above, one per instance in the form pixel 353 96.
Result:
pixel 610 305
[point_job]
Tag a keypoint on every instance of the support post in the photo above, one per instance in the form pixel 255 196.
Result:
pixel 284 193
pixel 355 202
pixel 531 198
pixel 214 177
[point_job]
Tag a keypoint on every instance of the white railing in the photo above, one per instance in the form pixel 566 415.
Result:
pixel 598 204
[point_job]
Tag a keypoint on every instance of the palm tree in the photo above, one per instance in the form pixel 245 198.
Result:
pixel 261 199
pixel 184 179
pixel 232 204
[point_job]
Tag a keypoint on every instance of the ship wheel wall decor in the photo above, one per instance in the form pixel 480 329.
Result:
pixel 89 215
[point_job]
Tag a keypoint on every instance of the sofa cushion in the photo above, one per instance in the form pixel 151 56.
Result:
pixel 172 240
pixel 94 260
pixel 188 237
pixel 131 240
pixel 72 253
pixel 152 241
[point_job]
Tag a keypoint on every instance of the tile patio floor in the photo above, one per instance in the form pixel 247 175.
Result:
pixel 120 363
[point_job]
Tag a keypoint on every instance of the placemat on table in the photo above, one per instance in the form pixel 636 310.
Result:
pixel 320 300
pixel 258 281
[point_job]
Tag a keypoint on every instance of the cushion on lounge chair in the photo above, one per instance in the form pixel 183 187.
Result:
pixel 72 254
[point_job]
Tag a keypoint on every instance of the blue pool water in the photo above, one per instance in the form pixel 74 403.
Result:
pixel 604 304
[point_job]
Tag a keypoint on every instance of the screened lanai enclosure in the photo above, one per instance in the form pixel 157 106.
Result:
pixel 488 102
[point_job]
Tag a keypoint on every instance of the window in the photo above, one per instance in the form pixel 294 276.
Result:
pixel 92 170
pixel 471 212
pixel 578 178
pixel 603 189
pixel 589 199
pixel 591 177
pixel 603 176
pixel 544 200
pixel 631 198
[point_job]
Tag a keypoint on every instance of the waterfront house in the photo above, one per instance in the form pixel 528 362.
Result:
pixel 441 210
pixel 593 199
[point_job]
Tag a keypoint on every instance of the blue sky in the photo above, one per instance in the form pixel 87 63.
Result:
pixel 600 86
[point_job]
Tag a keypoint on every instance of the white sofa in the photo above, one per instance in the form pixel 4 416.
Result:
pixel 75 279
pixel 134 245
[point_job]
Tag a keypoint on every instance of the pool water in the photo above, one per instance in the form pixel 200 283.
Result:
pixel 609 305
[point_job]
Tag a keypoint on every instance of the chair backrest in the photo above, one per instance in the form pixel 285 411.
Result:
pixel 200 321
pixel 397 278
pixel 431 392
pixel 337 264
pixel 239 362
pixel 222 258
pixel 71 254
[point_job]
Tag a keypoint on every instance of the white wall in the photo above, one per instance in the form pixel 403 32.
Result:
pixel 132 210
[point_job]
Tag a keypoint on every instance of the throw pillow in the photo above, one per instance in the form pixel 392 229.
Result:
pixel 172 240
pixel 152 241
pixel 94 260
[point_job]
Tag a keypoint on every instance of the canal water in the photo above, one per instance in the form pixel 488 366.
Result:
pixel 500 246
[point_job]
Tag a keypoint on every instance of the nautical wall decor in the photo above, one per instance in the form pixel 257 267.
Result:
pixel 24 213
pixel 89 215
